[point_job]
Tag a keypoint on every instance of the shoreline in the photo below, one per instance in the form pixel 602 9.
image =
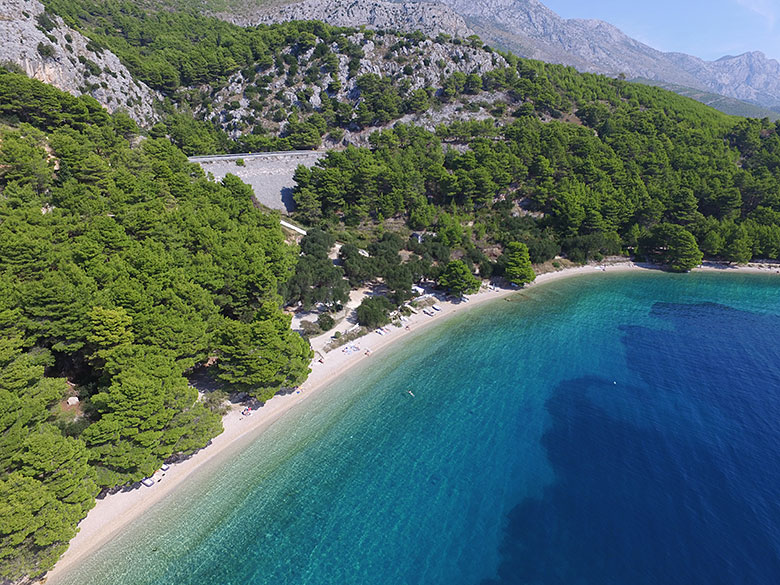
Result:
pixel 116 511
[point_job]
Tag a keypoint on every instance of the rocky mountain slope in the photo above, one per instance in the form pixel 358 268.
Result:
pixel 46 49
pixel 427 17
pixel 235 107
pixel 530 29
pixel 750 77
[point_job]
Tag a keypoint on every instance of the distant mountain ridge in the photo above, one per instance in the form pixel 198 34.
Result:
pixel 529 29
pixel 751 76
pixel 718 101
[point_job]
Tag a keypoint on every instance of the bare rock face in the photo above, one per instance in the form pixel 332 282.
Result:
pixel 427 17
pixel 751 76
pixel 67 60
pixel 532 30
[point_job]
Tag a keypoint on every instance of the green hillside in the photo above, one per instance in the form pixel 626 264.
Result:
pixel 725 104
pixel 122 268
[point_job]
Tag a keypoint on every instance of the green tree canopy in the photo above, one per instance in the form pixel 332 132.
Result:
pixel 458 279
pixel 518 269
pixel 46 483
pixel 121 267
pixel 373 311
pixel 674 246
pixel 263 356
pixel 146 414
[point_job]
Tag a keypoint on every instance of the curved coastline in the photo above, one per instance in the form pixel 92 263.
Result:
pixel 115 512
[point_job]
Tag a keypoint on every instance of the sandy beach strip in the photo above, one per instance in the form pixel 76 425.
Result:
pixel 115 512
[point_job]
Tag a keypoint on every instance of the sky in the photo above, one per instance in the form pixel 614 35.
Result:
pixel 706 29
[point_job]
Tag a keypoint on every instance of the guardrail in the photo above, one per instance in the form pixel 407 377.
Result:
pixel 292 227
pixel 251 155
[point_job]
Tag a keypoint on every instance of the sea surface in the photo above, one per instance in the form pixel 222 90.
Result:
pixel 610 429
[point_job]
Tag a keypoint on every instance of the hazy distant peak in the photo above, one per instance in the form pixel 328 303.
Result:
pixel 530 29
pixel 756 55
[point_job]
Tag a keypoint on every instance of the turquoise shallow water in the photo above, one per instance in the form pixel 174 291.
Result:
pixel 613 428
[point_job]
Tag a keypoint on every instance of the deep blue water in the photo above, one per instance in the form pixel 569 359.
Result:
pixel 613 429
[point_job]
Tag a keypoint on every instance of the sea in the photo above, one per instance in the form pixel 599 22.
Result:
pixel 610 429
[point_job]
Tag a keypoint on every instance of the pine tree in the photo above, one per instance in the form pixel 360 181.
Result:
pixel 518 264
pixel 458 279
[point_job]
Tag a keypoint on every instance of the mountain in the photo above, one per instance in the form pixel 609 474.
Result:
pixel 529 29
pixel 731 106
pixel 751 77
pixel 428 17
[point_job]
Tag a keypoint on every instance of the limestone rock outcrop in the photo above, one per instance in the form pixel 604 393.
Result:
pixel 428 17
pixel 48 50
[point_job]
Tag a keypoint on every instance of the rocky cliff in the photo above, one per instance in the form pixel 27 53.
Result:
pixel 427 17
pixel 48 50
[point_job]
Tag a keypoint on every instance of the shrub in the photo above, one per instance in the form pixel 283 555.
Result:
pixel 373 311
pixel 326 322
pixel 92 67
pixel 309 328
pixel 46 51
pixel 45 22
pixel 12 67
pixel 95 47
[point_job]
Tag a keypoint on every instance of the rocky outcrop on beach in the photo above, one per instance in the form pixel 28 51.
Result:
pixel 45 48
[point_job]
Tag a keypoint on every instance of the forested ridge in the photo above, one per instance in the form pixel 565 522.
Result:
pixel 295 85
pixel 640 172
pixel 613 188
pixel 608 163
pixel 121 269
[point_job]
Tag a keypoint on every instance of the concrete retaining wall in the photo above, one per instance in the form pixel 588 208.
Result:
pixel 270 174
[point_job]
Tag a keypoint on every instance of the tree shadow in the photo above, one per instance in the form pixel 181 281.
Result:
pixel 287 199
